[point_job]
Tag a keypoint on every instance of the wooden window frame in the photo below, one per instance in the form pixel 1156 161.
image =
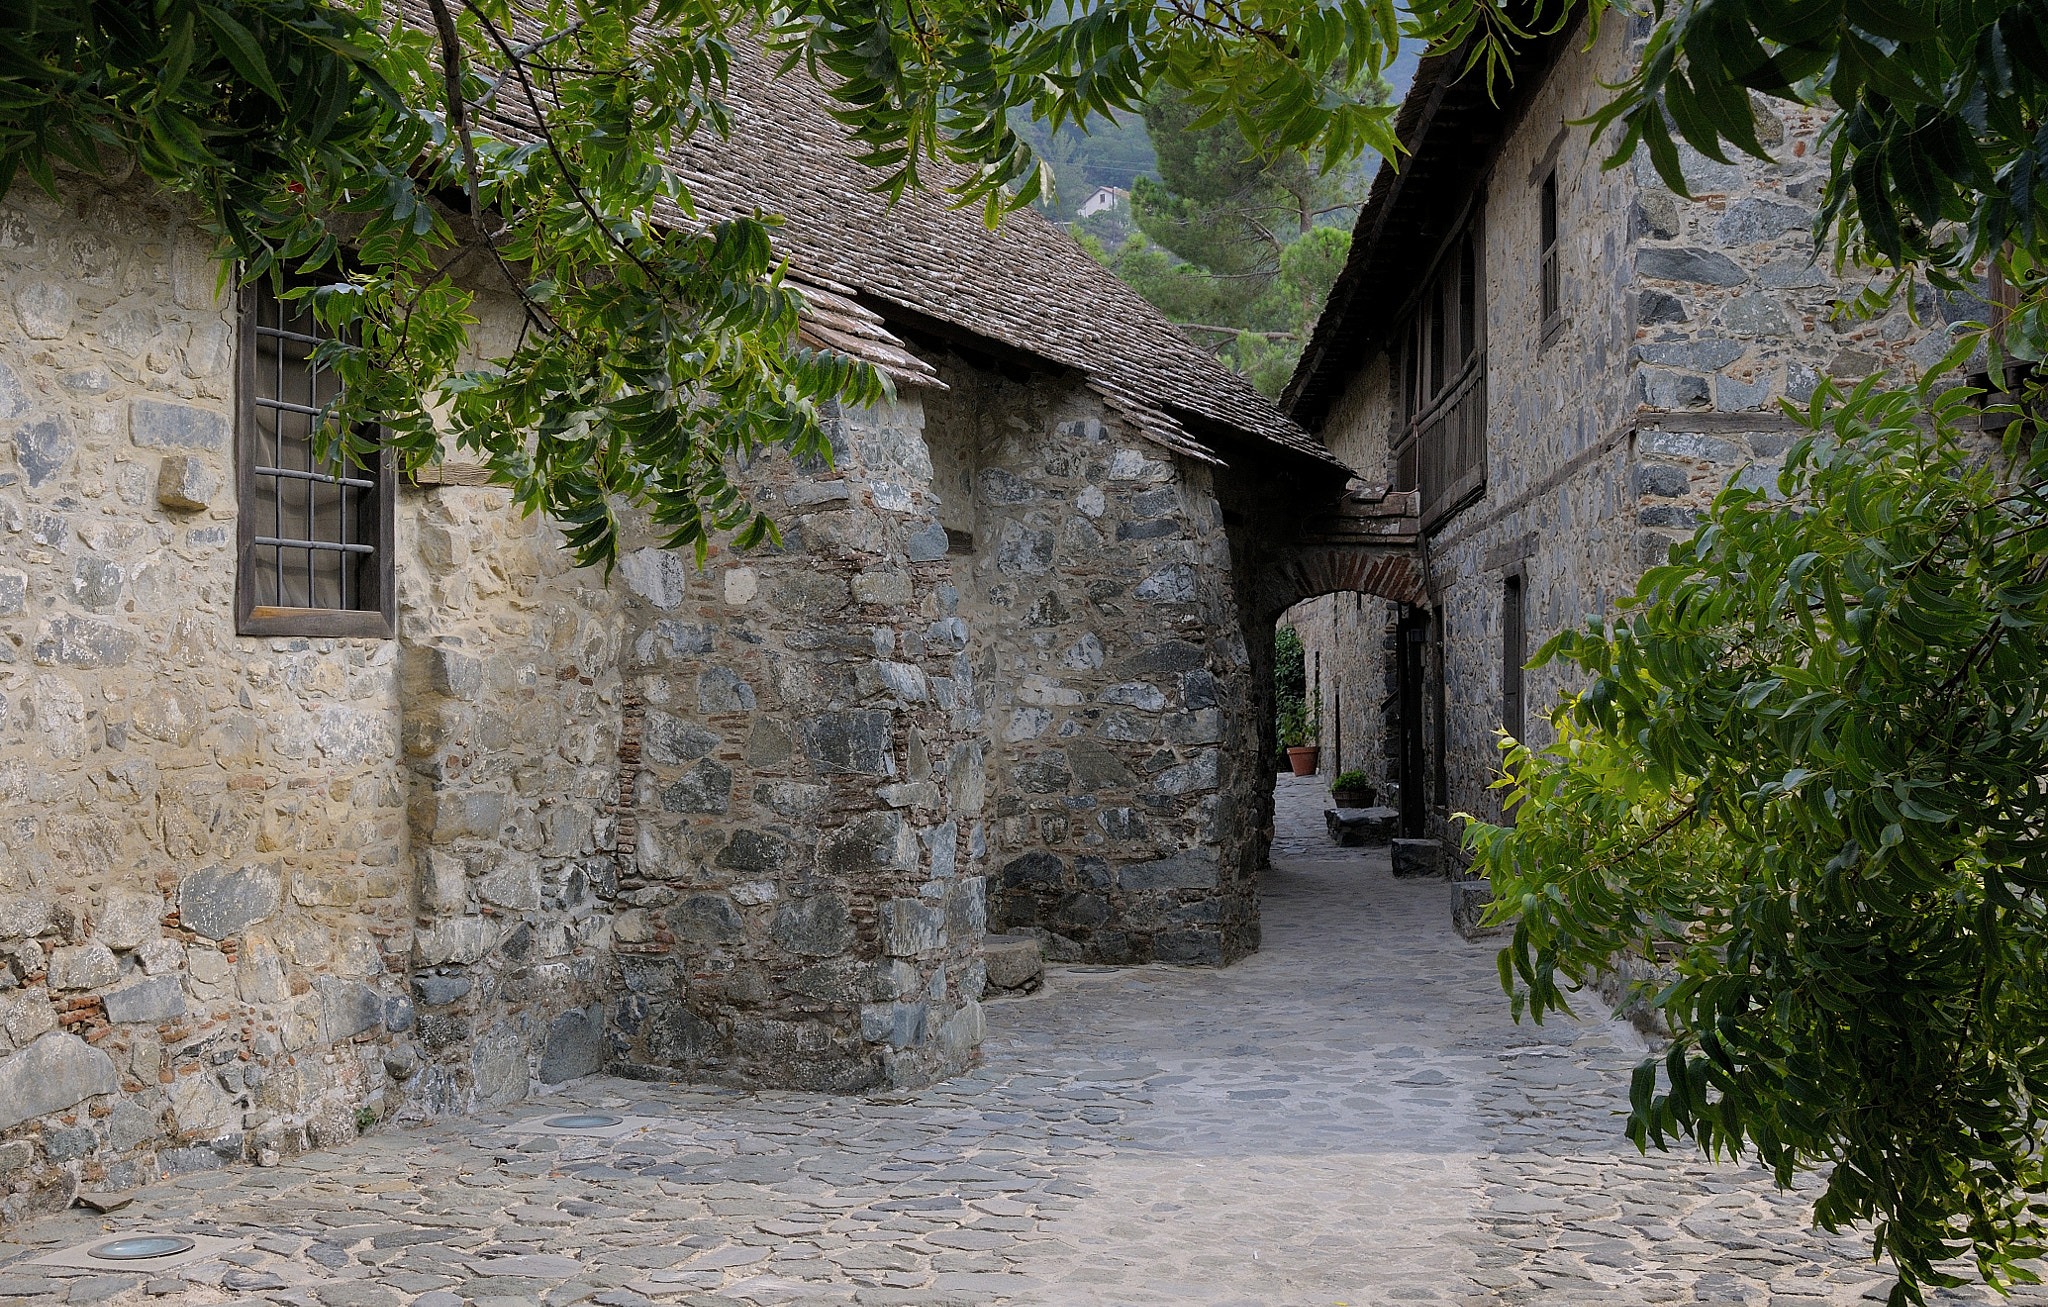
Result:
pixel 1549 273
pixel 1439 441
pixel 253 618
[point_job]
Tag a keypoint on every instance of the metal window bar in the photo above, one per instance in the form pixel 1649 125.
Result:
pixel 293 436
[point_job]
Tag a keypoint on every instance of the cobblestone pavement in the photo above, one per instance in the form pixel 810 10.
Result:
pixel 1349 1117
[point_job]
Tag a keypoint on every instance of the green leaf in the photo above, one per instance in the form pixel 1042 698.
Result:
pixel 242 50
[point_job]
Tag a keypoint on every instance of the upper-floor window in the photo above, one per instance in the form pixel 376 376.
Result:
pixel 1440 441
pixel 1552 292
pixel 315 553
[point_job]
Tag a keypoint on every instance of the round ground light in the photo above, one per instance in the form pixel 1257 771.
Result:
pixel 589 1121
pixel 140 1247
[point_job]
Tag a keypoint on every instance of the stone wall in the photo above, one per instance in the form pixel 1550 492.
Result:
pixel 255 893
pixel 728 824
pixel 804 906
pixel 512 704
pixel 204 855
pixel 1111 673
pixel 1345 640
pixel 1684 321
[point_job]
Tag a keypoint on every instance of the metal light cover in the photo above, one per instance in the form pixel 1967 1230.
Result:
pixel 140 1247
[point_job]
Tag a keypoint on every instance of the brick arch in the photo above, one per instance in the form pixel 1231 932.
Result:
pixel 1390 573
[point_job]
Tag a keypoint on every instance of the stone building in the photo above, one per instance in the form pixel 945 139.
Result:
pixel 329 796
pixel 1563 364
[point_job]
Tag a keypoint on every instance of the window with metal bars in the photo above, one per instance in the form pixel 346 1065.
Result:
pixel 1439 445
pixel 315 532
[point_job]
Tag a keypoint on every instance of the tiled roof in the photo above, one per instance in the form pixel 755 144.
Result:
pixel 1026 285
pixel 833 320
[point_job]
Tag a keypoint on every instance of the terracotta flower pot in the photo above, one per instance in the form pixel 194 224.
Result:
pixel 1303 759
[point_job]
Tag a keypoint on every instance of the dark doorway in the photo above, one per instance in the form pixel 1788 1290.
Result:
pixel 1411 673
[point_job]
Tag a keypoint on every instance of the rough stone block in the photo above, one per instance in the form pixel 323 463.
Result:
pixel 1188 948
pixel 499 1064
pixel 187 483
pixel 84 643
pixel 69 1142
pixel 1056 947
pixel 454 675
pixel 23 915
pixel 805 493
pixel 434 991
pixel 575 1047
pixel 1468 908
pixel 130 1125
pixel 1035 869
pixel 85 966
pixel 455 813
pixel 855 742
pixel 706 919
pixel 1417 857
pixel 1192 869
pixel 1750 220
pixel 888 589
pixel 158 998
pixel 461 941
pixel 754 852
pixel 1013 962
pixel 901 1025
pixel 909 928
pixel 818 926
pixel 674 741
pixel 129 919
pixel 656 575
pixel 55 1072
pixel 720 690
pixel 1665 479
pixel 218 903
pixel 1667 515
pixel 347 1008
pixel 927 544
pixel 705 788
pixel 1686 444
pixel 43 449
pixel 159 425
pixel 1358 827
pixel 513 885
pixel 880 841
pixel 1677 263
pixel 1695 355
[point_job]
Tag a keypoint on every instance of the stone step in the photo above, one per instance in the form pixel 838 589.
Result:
pixel 1355 827
pixel 1418 857
pixel 1016 963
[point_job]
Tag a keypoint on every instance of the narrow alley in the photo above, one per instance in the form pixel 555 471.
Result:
pixel 1347 1117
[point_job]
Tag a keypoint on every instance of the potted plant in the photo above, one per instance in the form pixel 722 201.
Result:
pixel 1352 790
pixel 1298 730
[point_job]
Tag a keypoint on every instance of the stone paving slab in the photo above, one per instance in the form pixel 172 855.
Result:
pixel 1349 1117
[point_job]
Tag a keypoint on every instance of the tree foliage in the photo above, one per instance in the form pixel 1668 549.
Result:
pixel 1806 775
pixel 1937 159
pixel 1240 248
pixel 1806 772
pixel 382 161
